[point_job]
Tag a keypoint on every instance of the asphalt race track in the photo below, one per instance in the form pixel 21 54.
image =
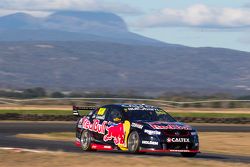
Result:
pixel 9 129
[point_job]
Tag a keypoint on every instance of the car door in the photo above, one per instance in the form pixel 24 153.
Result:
pixel 116 128
pixel 99 123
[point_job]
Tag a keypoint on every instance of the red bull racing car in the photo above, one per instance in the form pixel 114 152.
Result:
pixel 134 128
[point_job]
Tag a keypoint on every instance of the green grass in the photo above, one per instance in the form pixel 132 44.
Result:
pixel 69 112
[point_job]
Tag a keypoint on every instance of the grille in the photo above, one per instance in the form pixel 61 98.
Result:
pixel 177 133
pixel 179 146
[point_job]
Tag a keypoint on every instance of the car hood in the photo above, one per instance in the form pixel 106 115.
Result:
pixel 160 125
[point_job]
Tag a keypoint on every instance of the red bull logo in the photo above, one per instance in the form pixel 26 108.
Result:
pixel 115 132
pixel 95 127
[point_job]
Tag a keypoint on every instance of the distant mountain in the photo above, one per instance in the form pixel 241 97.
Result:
pixel 70 26
pixel 18 21
pixel 71 21
pixel 95 50
pixel 86 22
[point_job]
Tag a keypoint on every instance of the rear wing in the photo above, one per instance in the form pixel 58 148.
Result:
pixel 77 108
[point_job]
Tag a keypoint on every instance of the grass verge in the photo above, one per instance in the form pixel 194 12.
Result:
pixel 58 136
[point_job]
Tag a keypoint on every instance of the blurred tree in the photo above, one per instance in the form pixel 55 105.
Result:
pixel 231 104
pixel 34 92
pixel 10 94
pixel 244 97
pixel 57 95
pixel 217 104
pixel 197 105
pixel 186 105
pixel 75 95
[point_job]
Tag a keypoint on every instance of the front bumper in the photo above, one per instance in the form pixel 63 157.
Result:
pixel 163 143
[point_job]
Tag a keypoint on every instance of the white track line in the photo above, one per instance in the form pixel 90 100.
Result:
pixel 24 150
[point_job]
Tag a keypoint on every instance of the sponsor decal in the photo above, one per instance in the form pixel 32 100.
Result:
pixel 95 126
pixel 152 132
pixel 137 106
pixel 101 111
pixel 136 125
pixel 150 142
pixel 132 107
pixel 115 132
pixel 100 117
pixel 79 125
pixel 178 140
pixel 107 146
pixel 182 151
pixel 91 112
pixel 101 147
pixel 170 126
pixel 142 109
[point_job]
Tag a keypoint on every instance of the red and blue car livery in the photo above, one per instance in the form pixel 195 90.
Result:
pixel 134 128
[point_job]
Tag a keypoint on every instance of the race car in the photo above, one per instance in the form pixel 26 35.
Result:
pixel 136 128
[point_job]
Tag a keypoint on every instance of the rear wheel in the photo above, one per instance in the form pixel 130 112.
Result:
pixel 133 142
pixel 188 154
pixel 86 140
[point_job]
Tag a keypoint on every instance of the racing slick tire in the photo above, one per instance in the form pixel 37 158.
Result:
pixel 133 142
pixel 86 141
pixel 184 154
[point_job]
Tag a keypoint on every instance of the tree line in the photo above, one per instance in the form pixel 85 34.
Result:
pixel 39 92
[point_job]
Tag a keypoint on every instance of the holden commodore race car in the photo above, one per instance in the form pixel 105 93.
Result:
pixel 134 128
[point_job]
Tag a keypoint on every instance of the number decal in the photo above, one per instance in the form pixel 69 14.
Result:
pixel 101 111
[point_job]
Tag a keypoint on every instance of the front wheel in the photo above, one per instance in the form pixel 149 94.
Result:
pixel 133 142
pixel 86 141
pixel 188 154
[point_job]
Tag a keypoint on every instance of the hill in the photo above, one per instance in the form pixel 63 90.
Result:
pixel 95 50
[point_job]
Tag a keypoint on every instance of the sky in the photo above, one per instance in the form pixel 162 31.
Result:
pixel 196 23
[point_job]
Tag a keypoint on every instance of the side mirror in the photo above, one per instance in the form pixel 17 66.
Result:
pixel 117 119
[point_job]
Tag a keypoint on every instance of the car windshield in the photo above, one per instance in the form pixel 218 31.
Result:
pixel 148 115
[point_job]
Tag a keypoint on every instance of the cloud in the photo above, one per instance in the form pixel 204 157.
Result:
pixel 198 15
pixel 247 5
pixel 54 5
